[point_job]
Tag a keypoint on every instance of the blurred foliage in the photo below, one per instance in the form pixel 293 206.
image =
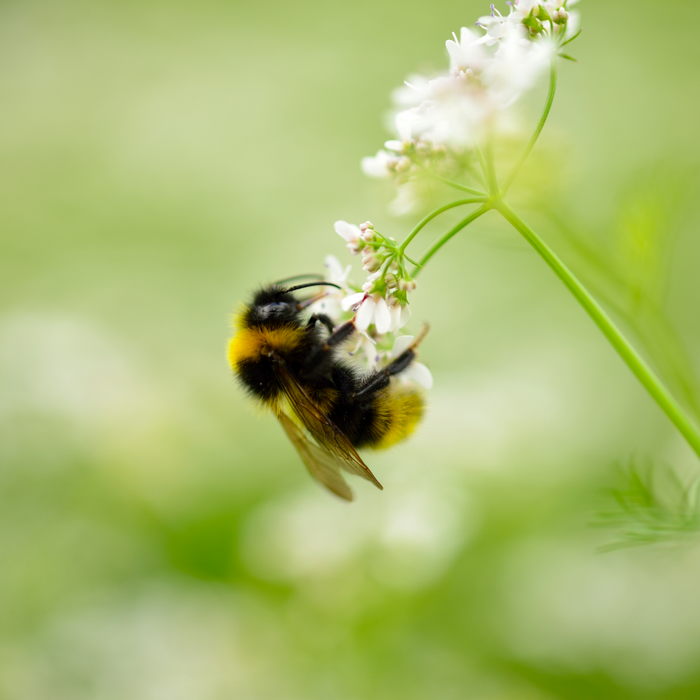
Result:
pixel 653 506
pixel 159 160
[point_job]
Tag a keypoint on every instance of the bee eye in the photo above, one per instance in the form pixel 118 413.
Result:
pixel 276 308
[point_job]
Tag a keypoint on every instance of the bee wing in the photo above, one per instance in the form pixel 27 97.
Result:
pixel 324 431
pixel 320 463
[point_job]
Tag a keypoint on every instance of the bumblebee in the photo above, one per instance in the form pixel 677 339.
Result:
pixel 292 365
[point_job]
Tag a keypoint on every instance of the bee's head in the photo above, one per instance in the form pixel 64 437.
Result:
pixel 273 306
pixel 277 306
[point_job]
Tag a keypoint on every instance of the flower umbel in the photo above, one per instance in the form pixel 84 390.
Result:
pixel 442 120
pixel 379 306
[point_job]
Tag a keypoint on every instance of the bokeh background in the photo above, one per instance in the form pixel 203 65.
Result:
pixel 157 538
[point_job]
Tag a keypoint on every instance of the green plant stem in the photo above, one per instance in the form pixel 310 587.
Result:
pixel 437 212
pixel 491 168
pixel 457 185
pixel 482 162
pixel 630 356
pixel 453 231
pixel 533 139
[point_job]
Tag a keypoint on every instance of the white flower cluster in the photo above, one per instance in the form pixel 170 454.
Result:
pixel 442 118
pixel 380 306
pixel 383 300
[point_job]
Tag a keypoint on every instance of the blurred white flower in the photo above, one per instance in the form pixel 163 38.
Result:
pixel 330 302
pixel 518 64
pixel 497 26
pixel 379 166
pixel 524 7
pixel 450 112
pixel 488 73
pixel 466 53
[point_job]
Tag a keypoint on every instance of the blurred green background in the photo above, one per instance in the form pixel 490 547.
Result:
pixel 157 539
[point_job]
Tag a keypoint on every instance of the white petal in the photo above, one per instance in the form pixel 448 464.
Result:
pixel 405 315
pixel 395 312
pixel 365 314
pixel 405 122
pixel 335 271
pixel 349 232
pixel 454 51
pixel 420 374
pixel 394 145
pixel 376 166
pixel 351 300
pixel 382 317
pixel 401 344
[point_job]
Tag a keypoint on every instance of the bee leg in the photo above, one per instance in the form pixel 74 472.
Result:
pixel 320 357
pixel 380 379
pixel 321 318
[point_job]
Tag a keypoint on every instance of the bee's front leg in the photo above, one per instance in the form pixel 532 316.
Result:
pixel 320 318
pixel 380 378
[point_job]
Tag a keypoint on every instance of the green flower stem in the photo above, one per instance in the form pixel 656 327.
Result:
pixel 457 185
pixel 482 162
pixel 433 214
pixel 493 182
pixel 533 139
pixel 631 357
pixel 456 229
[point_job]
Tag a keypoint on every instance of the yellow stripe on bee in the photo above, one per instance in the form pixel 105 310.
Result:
pixel 250 344
pixel 398 414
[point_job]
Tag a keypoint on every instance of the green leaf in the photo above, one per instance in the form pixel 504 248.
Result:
pixel 568 41
pixel 533 23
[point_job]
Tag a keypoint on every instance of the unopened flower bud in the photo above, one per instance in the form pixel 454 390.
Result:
pixel 354 247
pixel 371 263
pixel 407 285
pixel 403 165
pixel 391 280
pixel 367 235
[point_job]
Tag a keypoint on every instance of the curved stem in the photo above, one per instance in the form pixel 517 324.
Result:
pixel 454 230
pixel 533 139
pixel 630 356
pixel 457 185
pixel 433 214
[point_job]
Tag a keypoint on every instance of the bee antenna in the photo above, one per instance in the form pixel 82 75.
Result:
pixel 279 283
pixel 312 284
